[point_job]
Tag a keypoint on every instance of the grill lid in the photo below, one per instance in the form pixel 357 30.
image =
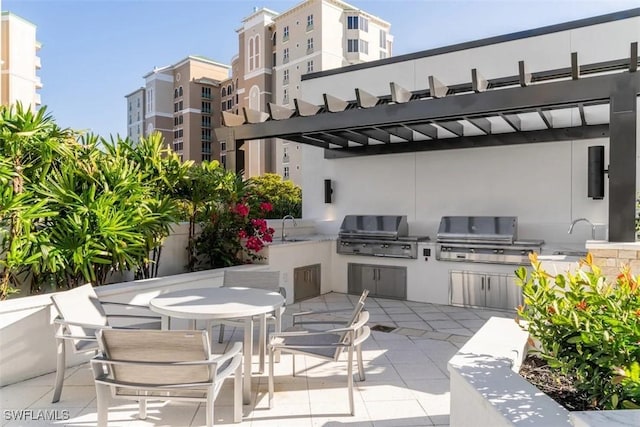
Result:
pixel 374 226
pixel 478 229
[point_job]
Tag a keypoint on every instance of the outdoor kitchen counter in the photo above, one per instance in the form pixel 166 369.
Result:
pixel 303 239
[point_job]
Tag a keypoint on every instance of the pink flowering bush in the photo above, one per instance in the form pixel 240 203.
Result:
pixel 234 232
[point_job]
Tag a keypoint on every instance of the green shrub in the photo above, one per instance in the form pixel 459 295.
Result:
pixel 284 196
pixel 588 328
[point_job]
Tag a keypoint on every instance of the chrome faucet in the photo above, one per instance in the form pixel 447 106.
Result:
pixel 286 217
pixel 593 227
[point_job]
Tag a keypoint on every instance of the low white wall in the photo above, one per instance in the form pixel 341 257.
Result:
pixel 486 389
pixel 27 331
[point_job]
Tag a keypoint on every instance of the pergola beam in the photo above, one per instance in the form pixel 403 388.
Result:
pixel 504 101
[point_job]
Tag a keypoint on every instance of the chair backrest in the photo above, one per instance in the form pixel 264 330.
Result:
pixel 355 317
pixel 80 305
pixel 252 279
pixel 141 345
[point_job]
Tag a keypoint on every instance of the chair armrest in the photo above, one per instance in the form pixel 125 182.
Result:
pixel 133 316
pixel 283 292
pixel 146 307
pixel 235 355
pixel 102 360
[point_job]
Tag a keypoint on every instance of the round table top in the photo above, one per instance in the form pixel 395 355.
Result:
pixel 216 303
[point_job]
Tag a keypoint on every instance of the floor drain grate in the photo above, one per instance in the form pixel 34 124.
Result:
pixel 382 328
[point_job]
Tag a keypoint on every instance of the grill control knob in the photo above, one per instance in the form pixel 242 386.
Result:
pixel 495 251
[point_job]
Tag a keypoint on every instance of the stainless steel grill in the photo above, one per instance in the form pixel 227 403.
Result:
pixel 377 235
pixel 489 239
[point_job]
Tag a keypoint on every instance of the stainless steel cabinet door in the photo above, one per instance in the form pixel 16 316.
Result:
pixel 306 282
pixel 360 277
pixel 502 292
pixel 391 282
pixel 467 288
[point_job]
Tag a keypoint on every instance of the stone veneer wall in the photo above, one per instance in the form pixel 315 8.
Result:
pixel 610 257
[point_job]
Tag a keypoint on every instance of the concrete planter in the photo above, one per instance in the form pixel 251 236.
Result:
pixel 486 389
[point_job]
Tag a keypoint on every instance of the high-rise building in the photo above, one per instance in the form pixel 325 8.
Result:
pixel 19 48
pixel 180 101
pixel 275 50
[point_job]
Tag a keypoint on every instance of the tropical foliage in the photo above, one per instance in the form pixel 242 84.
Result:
pixel 588 328
pixel 78 208
pixel 284 196
pixel 71 213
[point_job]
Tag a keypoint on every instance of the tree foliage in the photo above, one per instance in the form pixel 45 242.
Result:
pixel 284 196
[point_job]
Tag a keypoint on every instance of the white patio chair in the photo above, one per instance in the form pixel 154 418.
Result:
pixel 148 365
pixel 269 280
pixel 81 314
pixel 328 344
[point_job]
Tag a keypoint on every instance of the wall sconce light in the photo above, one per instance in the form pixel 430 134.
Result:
pixel 596 171
pixel 328 191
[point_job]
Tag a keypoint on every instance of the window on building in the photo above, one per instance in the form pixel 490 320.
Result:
pixel 285 33
pixel 309 66
pixel 138 103
pixel 285 95
pixel 383 54
pixel 310 45
pixel 229 90
pixel 224 106
pixel 352 22
pixel 352 45
pixel 138 116
pixel 175 93
pixel 175 121
pixel 206 147
pixel 180 119
pixel 177 145
pixel 285 172
pixel 274 60
pixel 223 160
pixel 256 55
pixel 285 77
pixel 206 92
pixel 285 55
pixel 309 22
pixel 224 92
pixel 130 121
pixel 180 91
pixel 206 121
pixel 383 39
pixel 206 135
pixel 229 104
pixel 274 37
pixel 236 99
pixel 129 105
pixel 206 107
pixel 364 46
pixel 364 24
pixel 223 146
pixel 150 100
pixel 175 107
pixel 251 53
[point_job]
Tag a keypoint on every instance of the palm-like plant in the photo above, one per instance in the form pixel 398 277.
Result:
pixel 30 146
pixel 161 171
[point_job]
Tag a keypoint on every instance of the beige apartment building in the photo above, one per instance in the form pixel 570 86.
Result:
pixel 181 102
pixel 19 48
pixel 275 50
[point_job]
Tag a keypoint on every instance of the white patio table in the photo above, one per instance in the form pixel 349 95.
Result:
pixel 223 303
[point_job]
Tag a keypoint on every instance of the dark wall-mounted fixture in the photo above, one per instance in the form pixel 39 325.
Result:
pixel 328 191
pixel 596 171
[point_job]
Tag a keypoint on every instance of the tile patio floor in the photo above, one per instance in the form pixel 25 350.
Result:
pixel 407 383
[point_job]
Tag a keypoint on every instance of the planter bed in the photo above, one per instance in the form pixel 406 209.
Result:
pixel 486 389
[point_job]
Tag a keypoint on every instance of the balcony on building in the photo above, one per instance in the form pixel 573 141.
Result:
pixel 38 63
pixel 38 82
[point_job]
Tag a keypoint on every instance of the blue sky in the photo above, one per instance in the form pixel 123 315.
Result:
pixel 96 51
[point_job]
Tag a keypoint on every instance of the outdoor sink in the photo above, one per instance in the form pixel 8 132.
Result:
pixel 571 253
